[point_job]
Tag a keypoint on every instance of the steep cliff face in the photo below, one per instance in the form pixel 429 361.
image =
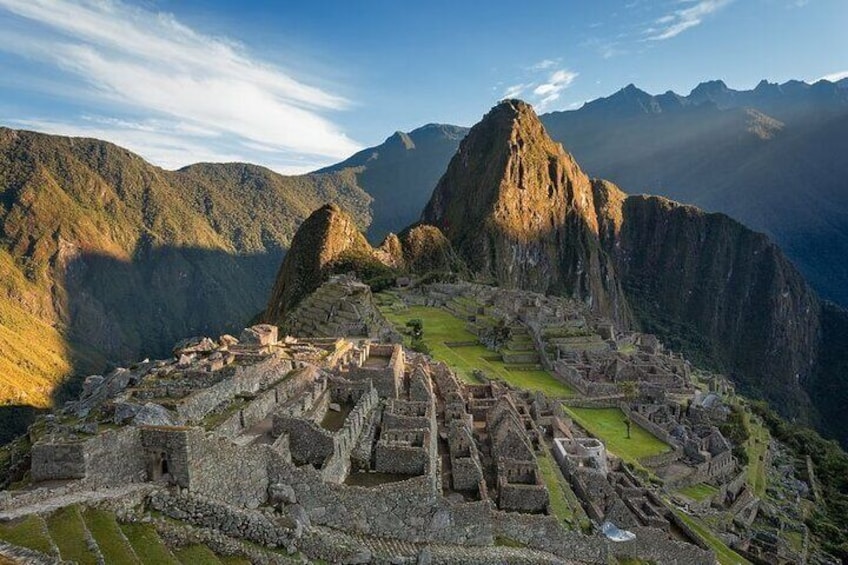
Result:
pixel 520 212
pixel 715 289
pixel 326 238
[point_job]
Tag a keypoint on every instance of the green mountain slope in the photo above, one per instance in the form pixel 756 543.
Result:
pixel 106 258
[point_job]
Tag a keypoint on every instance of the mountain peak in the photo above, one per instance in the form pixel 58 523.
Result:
pixel 328 234
pixel 512 196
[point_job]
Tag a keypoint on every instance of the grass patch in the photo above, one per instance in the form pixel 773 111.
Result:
pixel 564 503
pixel 27 532
pixel 197 555
pixel 607 424
pixel 441 327
pixel 234 560
pixel 725 555
pixel 502 541
pixel 698 492
pixel 68 531
pixel 756 447
pixel 559 505
pixel 109 537
pixel 148 545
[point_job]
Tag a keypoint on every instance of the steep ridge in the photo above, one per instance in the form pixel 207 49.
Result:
pixel 105 257
pixel 716 290
pixel 400 173
pixel 520 212
pixel 328 237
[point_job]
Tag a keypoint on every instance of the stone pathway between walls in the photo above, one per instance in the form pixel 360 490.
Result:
pixel 67 499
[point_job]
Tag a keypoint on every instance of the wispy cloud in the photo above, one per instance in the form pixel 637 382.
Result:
pixel 550 90
pixel 515 90
pixel 201 96
pixel 542 86
pixel 834 77
pixel 542 65
pixel 674 23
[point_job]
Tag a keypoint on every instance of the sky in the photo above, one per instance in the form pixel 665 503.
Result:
pixel 299 85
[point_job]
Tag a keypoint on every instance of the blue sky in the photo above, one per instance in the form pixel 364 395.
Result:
pixel 297 85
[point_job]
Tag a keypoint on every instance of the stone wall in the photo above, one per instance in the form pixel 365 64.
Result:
pixel 643 422
pixel 171 445
pixel 229 473
pixel 546 533
pixel 401 459
pixel 245 379
pixel 309 443
pixel 57 461
pixel 255 526
pixel 116 457
pixel 522 498
pixel 654 545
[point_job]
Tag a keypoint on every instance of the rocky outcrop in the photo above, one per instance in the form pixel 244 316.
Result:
pixel 426 249
pixel 342 306
pixel 520 212
pixel 325 239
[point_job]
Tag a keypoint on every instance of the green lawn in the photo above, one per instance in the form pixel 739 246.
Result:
pixel 564 503
pixel 197 555
pixel 440 327
pixel 756 447
pixel 726 556
pixel 607 424
pixel 106 532
pixel 698 492
pixel 27 532
pixel 68 531
pixel 148 545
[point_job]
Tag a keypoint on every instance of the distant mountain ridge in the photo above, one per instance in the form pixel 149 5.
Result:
pixel 770 157
pixel 401 172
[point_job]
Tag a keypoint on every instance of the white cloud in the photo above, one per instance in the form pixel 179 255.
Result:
pixel 678 21
pixel 834 77
pixel 542 65
pixel 549 91
pixel 149 64
pixel 515 90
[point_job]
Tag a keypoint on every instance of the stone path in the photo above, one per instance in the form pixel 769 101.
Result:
pixel 67 499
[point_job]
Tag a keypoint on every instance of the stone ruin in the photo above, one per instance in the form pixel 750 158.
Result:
pixel 341 307
pixel 357 436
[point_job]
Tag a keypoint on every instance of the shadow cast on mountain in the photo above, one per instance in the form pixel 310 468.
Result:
pixel 120 312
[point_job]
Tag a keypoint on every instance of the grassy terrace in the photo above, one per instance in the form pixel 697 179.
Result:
pixel 197 555
pixel 756 448
pixel 109 537
pixel 28 532
pixel 698 492
pixel 726 556
pixel 607 424
pixel 564 503
pixel 68 531
pixel 147 544
pixel 442 327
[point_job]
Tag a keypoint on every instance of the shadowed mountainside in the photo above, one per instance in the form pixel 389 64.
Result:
pixel 106 258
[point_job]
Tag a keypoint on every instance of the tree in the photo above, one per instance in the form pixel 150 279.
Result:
pixel 416 326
